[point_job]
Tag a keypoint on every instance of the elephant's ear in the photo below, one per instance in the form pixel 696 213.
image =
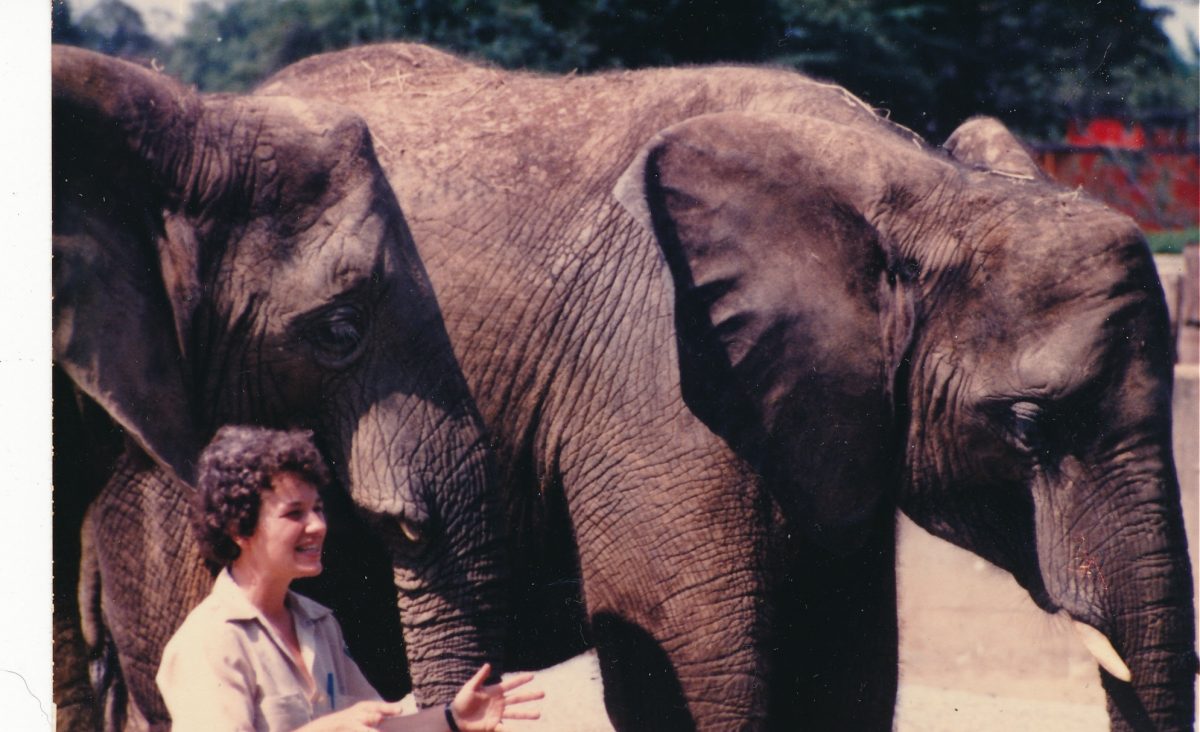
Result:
pixel 777 274
pixel 124 273
pixel 984 142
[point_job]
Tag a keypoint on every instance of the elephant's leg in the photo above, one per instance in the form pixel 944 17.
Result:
pixel 151 576
pixel 109 690
pixel 103 668
pixel 76 706
pixel 837 647
pixel 85 446
pixel 672 567
pixel 547 620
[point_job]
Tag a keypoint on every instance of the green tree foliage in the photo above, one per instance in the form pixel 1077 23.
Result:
pixel 933 63
pixel 62 28
pixel 928 63
pixel 110 27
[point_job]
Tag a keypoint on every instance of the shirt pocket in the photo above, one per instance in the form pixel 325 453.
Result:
pixel 284 712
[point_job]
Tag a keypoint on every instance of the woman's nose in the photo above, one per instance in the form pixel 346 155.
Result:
pixel 316 523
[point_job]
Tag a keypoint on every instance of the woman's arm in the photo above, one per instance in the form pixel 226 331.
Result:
pixel 476 708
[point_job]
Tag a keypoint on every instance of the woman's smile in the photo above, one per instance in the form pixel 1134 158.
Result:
pixel 310 551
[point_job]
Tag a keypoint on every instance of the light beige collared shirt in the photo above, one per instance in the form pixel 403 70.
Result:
pixel 227 669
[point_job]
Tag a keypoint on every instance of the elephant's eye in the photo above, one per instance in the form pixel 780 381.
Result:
pixel 338 335
pixel 1025 427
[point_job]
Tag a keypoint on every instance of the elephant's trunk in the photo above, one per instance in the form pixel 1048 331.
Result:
pixel 451 589
pixel 432 504
pixel 1129 578
pixel 1153 630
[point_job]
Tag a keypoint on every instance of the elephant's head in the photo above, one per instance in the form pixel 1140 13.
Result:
pixel 224 259
pixel 883 323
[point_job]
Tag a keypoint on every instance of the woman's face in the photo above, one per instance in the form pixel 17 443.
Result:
pixel 290 532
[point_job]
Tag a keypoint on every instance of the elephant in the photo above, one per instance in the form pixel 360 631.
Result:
pixel 1022 339
pixel 233 259
pixel 723 322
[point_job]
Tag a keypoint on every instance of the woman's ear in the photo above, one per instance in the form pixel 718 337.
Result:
pixel 237 537
pixel 123 273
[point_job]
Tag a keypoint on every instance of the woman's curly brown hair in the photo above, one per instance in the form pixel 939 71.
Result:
pixel 235 468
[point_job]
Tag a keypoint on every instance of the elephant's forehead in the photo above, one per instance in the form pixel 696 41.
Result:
pixel 342 250
pixel 340 254
pixel 1045 246
pixel 1065 354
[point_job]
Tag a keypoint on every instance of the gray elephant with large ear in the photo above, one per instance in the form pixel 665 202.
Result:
pixel 223 259
pixel 1014 331
pixel 844 321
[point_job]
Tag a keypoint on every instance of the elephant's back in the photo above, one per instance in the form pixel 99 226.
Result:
pixel 358 65
pixel 432 109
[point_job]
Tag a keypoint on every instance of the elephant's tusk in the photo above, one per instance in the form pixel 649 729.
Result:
pixel 410 532
pixel 1100 647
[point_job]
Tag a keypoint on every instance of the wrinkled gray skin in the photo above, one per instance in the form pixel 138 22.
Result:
pixel 797 318
pixel 235 259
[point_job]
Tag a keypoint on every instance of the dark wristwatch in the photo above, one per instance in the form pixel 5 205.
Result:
pixel 450 719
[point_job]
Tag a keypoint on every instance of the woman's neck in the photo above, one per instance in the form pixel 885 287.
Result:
pixel 266 595
pixel 269 597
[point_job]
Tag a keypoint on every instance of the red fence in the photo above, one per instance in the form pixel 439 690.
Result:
pixel 1159 188
pixel 1151 172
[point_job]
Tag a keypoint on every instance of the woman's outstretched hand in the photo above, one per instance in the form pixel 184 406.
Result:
pixel 479 708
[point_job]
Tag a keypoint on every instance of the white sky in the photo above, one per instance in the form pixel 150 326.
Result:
pixel 165 18
pixel 1184 20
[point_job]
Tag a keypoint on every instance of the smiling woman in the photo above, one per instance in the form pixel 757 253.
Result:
pixel 289 537
pixel 257 656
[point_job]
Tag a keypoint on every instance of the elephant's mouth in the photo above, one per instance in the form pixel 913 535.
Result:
pixel 1040 596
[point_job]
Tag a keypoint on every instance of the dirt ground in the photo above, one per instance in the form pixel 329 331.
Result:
pixel 976 654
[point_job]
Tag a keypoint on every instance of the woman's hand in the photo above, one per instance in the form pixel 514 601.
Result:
pixel 362 717
pixel 479 708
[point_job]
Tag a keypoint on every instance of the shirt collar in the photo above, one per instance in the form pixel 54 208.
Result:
pixel 236 606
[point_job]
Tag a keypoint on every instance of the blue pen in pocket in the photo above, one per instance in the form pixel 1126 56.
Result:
pixel 329 688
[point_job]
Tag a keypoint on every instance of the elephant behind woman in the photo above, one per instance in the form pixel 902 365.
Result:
pixel 226 259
